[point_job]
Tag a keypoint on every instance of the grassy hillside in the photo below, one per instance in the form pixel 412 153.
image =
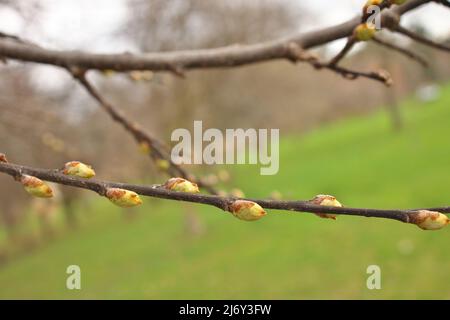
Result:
pixel 285 255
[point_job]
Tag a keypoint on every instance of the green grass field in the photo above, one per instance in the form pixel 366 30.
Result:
pixel 285 255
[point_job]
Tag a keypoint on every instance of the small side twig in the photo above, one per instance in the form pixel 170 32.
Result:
pixel 421 39
pixel 298 54
pixel 408 53
pixel 348 46
pixel 157 150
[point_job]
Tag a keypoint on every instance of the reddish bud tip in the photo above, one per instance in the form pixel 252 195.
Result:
pixel 181 185
pixel 3 158
pixel 36 187
pixel 123 198
pixel 326 200
pixel 429 220
pixel 247 210
pixel 79 169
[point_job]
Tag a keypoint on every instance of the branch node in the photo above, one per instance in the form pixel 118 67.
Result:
pixel 385 76
pixel 390 20
pixel 77 72
pixel 178 71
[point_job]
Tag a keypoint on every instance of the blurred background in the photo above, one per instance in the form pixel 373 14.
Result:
pixel 368 145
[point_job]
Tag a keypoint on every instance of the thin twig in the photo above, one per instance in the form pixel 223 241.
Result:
pixel 380 75
pixel 157 191
pixel 224 57
pixel 297 54
pixel 157 149
pixel 351 40
pixel 405 51
pixel 421 39
pixel 348 46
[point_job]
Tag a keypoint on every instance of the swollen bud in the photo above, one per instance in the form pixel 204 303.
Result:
pixel 429 220
pixel 36 187
pixel 3 158
pixel 386 76
pixel 79 169
pixel 123 198
pixel 181 185
pixel 326 200
pixel 365 31
pixel 247 210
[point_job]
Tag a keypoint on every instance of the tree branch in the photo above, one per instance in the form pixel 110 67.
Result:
pixel 300 55
pixel 157 149
pixel 410 54
pixel 157 191
pixel 224 57
pixel 348 46
pixel 445 3
pixel 421 39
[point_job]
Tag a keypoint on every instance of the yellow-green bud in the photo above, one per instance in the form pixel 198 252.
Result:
pixel 365 31
pixel 247 210
pixel 144 147
pixel 123 198
pixel 162 164
pixel 181 185
pixel 429 220
pixel 79 169
pixel 36 187
pixel 326 200
pixel 372 3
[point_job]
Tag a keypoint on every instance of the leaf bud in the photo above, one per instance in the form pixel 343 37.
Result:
pixel 123 198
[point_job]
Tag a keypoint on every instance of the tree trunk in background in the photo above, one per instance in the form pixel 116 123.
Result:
pixel 69 212
pixel 394 110
pixel 391 100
